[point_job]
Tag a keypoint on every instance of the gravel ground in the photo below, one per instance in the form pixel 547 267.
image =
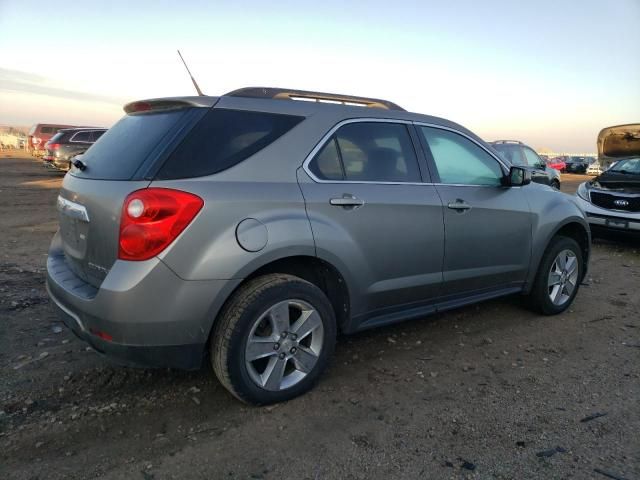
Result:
pixel 489 391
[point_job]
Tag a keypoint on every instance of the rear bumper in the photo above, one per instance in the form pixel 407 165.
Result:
pixel 153 317
pixel 610 219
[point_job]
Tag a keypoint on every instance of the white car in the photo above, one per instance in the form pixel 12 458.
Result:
pixel 594 169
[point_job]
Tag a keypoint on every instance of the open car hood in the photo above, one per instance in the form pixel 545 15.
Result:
pixel 617 142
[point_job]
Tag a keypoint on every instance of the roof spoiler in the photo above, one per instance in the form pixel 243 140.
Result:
pixel 164 104
pixel 320 97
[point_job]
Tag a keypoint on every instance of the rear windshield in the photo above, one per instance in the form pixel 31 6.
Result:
pixel 125 146
pixel 57 137
pixel 223 138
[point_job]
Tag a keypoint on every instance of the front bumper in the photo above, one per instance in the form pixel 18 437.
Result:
pixel 610 219
pixel 154 318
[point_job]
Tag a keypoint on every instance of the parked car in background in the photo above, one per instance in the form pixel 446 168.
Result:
pixel 557 163
pixel 251 228
pixel 577 164
pixel 68 143
pixel 594 169
pixel 612 199
pixel 40 134
pixel 517 153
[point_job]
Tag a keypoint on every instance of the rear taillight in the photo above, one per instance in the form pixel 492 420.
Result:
pixel 53 146
pixel 152 218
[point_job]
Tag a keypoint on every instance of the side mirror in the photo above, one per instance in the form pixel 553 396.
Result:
pixel 518 177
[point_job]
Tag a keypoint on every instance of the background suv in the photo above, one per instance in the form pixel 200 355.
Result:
pixel 68 143
pixel 517 153
pixel 254 227
pixel 39 134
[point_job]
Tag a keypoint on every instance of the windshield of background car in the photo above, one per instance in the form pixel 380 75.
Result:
pixel 511 153
pixel 630 165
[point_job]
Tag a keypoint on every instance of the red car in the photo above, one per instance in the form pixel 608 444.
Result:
pixel 40 134
pixel 557 163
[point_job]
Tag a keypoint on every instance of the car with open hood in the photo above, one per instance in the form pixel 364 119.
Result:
pixel 612 199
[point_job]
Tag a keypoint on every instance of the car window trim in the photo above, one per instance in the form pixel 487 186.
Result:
pixel 432 166
pixel 330 134
pixel 91 132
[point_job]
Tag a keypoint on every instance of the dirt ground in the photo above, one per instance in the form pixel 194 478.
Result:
pixel 490 391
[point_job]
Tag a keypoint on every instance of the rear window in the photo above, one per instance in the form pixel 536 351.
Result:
pixel 126 145
pixel 222 139
pixel 46 130
pixel 57 137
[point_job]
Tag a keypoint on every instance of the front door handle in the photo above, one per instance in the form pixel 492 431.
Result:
pixel 346 201
pixel 459 205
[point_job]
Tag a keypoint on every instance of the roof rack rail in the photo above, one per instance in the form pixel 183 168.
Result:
pixel 320 97
pixel 507 141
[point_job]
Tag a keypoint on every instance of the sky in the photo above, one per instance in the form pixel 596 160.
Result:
pixel 551 73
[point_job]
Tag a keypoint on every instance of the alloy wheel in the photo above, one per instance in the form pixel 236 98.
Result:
pixel 563 277
pixel 284 345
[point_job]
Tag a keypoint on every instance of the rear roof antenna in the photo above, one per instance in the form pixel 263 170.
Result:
pixel 195 84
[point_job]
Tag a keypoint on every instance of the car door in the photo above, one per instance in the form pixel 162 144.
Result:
pixel 373 217
pixel 538 166
pixel 487 225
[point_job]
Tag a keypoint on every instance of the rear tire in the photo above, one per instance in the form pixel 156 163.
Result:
pixel 273 339
pixel 555 184
pixel 558 278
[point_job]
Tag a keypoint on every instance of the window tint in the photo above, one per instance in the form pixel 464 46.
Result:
pixel 459 160
pixel 511 153
pixel 532 158
pixel 81 137
pixel 57 137
pixel 224 138
pixel 326 164
pixel 46 130
pixel 126 145
pixel 373 152
pixel 97 134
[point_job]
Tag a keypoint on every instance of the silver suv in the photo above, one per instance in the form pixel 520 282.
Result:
pixel 250 229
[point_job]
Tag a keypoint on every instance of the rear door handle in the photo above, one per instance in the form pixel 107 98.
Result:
pixel 459 205
pixel 346 201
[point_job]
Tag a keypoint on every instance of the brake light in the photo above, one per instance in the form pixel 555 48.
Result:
pixel 152 218
pixel 53 146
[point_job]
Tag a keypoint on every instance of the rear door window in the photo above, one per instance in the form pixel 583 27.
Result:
pixel 368 152
pixel 223 138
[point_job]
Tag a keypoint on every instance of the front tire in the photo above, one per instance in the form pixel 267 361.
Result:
pixel 273 339
pixel 555 184
pixel 558 278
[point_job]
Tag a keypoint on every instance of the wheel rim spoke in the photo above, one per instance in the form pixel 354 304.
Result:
pixel 304 359
pixel 258 347
pixel 307 323
pixel 279 315
pixel 561 260
pixel 272 376
pixel 554 279
pixel 572 265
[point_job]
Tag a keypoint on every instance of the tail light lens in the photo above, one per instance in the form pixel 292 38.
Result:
pixel 53 146
pixel 152 218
